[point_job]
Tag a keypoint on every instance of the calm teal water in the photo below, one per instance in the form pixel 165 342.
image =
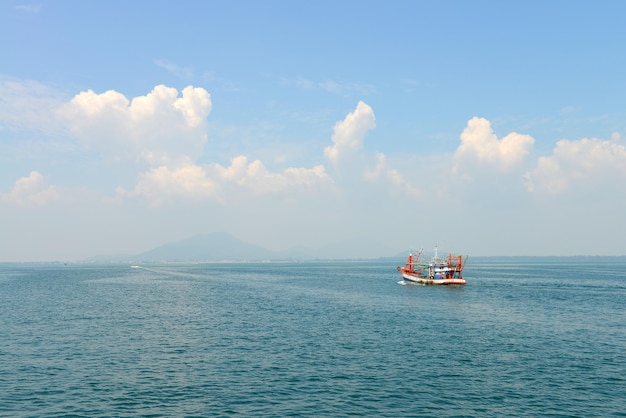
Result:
pixel 525 337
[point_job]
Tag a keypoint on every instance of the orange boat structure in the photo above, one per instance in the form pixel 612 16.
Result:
pixel 438 270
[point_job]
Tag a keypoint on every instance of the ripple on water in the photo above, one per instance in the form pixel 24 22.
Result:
pixel 313 340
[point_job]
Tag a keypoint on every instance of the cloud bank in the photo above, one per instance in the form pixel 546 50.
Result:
pixel 584 164
pixel 164 135
pixel 31 191
pixel 157 154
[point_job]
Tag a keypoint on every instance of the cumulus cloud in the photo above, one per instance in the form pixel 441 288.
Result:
pixel 163 184
pixel 382 172
pixel 480 145
pixel 31 191
pixel 167 131
pixel 164 131
pixel 581 163
pixel 160 129
pixel 256 179
pixel 348 134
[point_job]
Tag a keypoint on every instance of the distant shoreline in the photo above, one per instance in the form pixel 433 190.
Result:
pixel 313 260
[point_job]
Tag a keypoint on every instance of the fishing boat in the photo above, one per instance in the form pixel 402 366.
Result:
pixel 439 270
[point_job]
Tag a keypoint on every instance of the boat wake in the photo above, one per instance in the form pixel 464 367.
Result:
pixel 405 283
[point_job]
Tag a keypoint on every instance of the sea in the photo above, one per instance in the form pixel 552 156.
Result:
pixel 527 337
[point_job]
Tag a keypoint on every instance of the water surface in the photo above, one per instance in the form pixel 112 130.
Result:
pixel 524 337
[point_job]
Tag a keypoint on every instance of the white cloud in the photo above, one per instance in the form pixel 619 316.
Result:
pixel 167 133
pixel 392 176
pixel 480 146
pixel 162 184
pixel 28 105
pixel 583 164
pixel 184 73
pixel 29 8
pixel 160 129
pixel 349 133
pixel 331 86
pixel 241 179
pixel 256 179
pixel 31 191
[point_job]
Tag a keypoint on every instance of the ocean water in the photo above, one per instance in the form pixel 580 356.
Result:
pixel 525 337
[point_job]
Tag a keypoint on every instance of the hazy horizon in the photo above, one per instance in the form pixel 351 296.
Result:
pixel 295 254
pixel 487 128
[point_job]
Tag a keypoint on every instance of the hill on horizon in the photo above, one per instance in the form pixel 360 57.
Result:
pixel 216 246
pixel 221 246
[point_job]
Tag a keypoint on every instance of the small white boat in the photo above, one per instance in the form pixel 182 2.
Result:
pixel 439 270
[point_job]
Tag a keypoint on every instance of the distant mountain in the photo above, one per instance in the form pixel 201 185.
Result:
pixel 217 246
pixel 221 246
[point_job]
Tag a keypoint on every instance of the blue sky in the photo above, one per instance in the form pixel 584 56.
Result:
pixel 489 128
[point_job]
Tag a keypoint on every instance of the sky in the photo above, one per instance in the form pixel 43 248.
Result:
pixel 487 128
